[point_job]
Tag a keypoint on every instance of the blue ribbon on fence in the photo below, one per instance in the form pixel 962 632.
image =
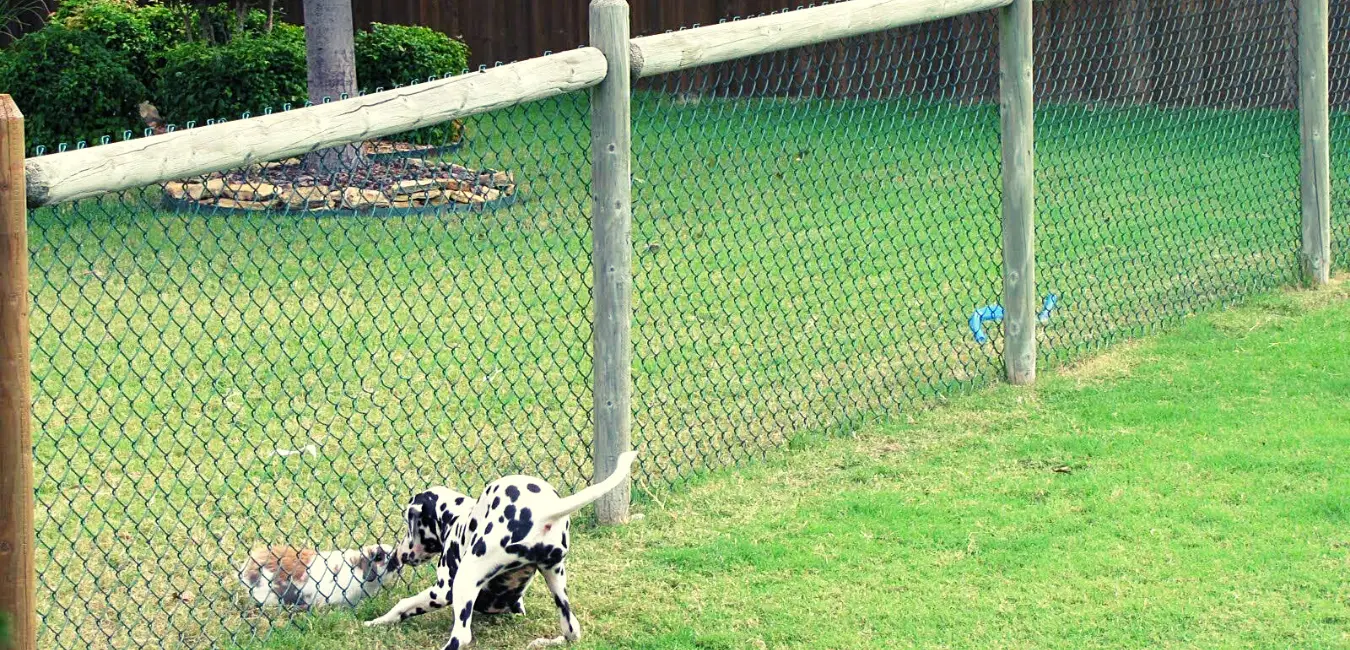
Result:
pixel 994 313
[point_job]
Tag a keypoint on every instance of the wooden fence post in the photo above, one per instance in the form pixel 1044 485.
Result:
pixel 18 582
pixel 1313 108
pixel 1015 69
pixel 612 252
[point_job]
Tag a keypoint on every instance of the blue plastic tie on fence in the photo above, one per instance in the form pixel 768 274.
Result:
pixel 994 313
pixel 1051 301
pixel 980 317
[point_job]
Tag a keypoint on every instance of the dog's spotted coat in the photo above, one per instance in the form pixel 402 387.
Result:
pixel 491 548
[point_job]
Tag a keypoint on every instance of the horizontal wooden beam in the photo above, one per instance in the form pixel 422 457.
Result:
pixel 74 175
pixel 691 48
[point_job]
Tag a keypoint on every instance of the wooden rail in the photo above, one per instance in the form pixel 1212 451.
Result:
pixel 690 48
pixel 84 173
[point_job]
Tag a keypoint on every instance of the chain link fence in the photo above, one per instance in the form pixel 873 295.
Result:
pixel 283 355
pixel 1167 162
pixel 1340 132
pixel 813 229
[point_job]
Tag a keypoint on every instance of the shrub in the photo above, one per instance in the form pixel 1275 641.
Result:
pixel 398 55
pixel 246 74
pixel 167 25
pixel 125 30
pixel 69 86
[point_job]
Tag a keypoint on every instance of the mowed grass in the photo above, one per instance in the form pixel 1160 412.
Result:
pixel 1185 492
pixel 800 266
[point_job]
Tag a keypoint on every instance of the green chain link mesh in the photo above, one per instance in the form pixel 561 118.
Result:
pixel 1340 133
pixel 813 232
pixel 1167 162
pixel 210 379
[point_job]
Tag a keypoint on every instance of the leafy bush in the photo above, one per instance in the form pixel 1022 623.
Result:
pixel 246 74
pixel 398 55
pixel 69 86
pixel 125 30
pixel 166 24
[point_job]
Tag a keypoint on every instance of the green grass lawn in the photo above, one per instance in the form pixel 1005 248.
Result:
pixel 1185 492
pixel 801 267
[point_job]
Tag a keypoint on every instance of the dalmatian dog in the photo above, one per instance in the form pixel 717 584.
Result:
pixel 491 548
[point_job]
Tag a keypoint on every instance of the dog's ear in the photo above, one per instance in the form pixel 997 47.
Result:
pixel 374 562
pixel 426 504
pixel 424 528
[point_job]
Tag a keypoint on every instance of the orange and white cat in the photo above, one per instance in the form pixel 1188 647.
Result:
pixel 305 578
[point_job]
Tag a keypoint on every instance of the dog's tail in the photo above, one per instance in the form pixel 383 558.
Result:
pixel 585 497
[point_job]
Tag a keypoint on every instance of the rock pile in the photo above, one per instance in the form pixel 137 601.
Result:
pixel 402 184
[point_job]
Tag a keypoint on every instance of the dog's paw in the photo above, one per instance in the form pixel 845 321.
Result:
pixel 547 643
pixel 376 622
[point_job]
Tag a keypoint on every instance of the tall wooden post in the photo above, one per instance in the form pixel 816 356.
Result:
pixel 1019 206
pixel 1313 108
pixel 18 582
pixel 612 252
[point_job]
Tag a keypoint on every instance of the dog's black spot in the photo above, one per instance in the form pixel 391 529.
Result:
pixel 565 609
pixel 506 540
pixel 453 645
pixel 459 500
pixel 447 519
pixel 509 512
pixel 496 501
pixel 541 554
pixel 440 582
pixel 520 527
pixel 532 487
pixel 433 596
pixel 465 613
pixel 488 530
pixel 418 611
pixel 480 549
pixel 513 493
pixel 564 537
pixel 473 525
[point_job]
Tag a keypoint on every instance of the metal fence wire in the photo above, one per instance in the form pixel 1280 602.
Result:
pixel 1339 82
pixel 283 354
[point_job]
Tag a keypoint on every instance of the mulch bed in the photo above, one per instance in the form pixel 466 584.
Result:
pixel 392 184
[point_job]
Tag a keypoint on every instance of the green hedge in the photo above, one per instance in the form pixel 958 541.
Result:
pixel 397 55
pixel 81 76
pixel 127 32
pixel 69 86
pixel 247 74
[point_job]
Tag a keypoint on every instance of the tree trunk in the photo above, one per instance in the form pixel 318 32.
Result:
pixel 331 59
pixel 240 17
